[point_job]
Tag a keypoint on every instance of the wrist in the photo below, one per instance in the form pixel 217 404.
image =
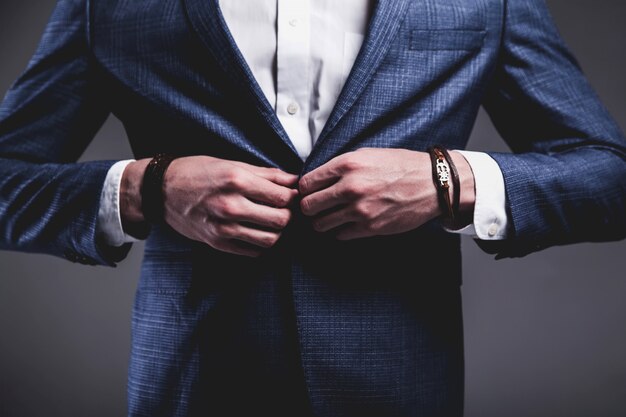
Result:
pixel 130 192
pixel 466 184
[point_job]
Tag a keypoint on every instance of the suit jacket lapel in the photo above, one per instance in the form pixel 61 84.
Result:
pixel 382 28
pixel 207 20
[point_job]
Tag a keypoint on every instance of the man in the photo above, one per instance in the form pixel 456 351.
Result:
pixel 302 302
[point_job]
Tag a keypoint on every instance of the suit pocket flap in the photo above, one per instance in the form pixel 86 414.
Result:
pixel 447 39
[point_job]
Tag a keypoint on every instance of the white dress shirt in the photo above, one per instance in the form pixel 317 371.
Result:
pixel 300 53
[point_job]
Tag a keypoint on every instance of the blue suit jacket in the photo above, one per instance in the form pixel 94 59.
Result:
pixel 316 327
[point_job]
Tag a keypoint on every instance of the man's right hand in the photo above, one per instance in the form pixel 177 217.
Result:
pixel 231 206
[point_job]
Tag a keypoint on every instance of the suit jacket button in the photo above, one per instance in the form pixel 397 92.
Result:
pixel 71 256
pixel 85 260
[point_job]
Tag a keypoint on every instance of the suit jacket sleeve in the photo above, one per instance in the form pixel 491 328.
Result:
pixel 566 181
pixel 48 202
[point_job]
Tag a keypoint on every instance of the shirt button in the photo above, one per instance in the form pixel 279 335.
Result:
pixel 292 108
pixel 293 22
pixel 493 230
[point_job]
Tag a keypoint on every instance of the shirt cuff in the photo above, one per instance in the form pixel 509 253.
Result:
pixel 490 216
pixel 109 225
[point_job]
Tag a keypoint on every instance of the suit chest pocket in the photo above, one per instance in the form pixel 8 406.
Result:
pixel 446 39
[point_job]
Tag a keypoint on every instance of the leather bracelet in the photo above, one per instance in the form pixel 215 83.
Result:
pixel 152 188
pixel 441 179
pixel 456 184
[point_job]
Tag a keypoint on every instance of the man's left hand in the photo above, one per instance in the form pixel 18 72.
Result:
pixel 370 192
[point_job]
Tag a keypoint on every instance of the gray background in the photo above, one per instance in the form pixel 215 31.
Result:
pixel 545 335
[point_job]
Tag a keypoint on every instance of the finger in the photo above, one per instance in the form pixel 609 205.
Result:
pixel 266 192
pixel 320 178
pixel 353 231
pixel 237 248
pixel 237 231
pixel 261 215
pixel 260 238
pixel 274 175
pixel 325 199
pixel 334 220
pixel 277 176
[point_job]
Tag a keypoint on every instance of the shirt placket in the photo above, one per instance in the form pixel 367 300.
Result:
pixel 292 72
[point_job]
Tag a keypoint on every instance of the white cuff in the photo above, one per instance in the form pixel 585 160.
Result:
pixel 490 217
pixel 109 225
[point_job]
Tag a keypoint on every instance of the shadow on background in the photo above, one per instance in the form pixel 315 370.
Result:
pixel 544 335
